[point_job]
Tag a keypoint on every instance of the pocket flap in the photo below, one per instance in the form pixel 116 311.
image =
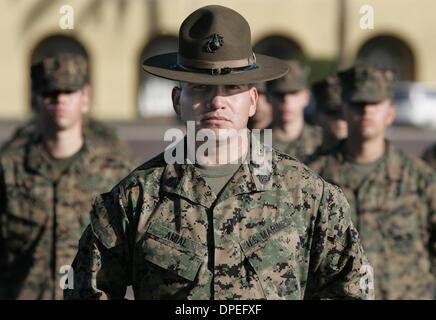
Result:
pixel 184 264
pixel 171 251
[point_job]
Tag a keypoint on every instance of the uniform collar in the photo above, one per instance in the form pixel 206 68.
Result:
pixel 38 160
pixel 389 169
pixel 184 180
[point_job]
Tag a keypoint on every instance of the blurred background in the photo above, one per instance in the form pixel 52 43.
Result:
pixel 116 35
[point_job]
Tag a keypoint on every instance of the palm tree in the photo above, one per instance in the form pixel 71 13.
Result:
pixel 92 10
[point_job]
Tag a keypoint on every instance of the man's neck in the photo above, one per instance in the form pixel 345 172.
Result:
pixel 288 131
pixel 365 151
pixel 64 143
pixel 226 151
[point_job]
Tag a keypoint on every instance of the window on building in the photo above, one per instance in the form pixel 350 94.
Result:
pixel 280 47
pixel 56 44
pixel 154 94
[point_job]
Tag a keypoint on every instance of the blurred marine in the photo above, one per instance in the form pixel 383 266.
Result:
pixel 330 112
pixel 49 172
pixel 289 97
pixel 392 195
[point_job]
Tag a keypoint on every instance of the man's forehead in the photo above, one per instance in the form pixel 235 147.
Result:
pixel 387 102
pixel 183 83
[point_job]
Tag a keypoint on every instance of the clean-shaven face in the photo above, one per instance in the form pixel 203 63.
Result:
pixel 63 109
pixel 289 106
pixel 215 107
pixel 370 120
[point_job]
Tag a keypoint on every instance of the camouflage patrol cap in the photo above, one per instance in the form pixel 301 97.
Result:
pixel 294 80
pixel 61 72
pixel 328 94
pixel 260 86
pixel 366 83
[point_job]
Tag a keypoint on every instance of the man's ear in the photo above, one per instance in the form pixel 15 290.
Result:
pixel 306 97
pixel 254 96
pixel 175 96
pixel 86 98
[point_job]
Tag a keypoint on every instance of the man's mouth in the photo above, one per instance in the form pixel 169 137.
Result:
pixel 213 118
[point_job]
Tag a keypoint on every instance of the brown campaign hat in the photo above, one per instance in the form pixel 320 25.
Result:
pixel 215 48
pixel 66 71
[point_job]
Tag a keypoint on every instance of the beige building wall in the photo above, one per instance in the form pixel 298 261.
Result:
pixel 114 39
pixel 409 20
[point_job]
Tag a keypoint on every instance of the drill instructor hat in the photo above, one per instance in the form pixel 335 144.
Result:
pixel 215 48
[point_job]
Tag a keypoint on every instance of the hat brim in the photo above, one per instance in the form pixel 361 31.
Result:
pixel 365 98
pixel 268 68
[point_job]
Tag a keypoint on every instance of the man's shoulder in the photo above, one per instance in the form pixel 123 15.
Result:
pixel 106 156
pixel 298 175
pixel 294 171
pixel 313 131
pixel 430 152
pixel 13 150
pixel 410 165
pixel 320 160
pixel 147 175
pixel 143 182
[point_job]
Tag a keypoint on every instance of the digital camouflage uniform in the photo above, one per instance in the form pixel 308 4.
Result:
pixel 286 235
pixel 429 156
pixel 393 207
pixel 310 138
pixel 302 148
pixel 97 130
pixel 43 212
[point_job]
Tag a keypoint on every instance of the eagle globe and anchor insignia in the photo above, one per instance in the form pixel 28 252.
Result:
pixel 214 43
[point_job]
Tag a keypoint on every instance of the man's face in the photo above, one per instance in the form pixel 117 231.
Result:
pixel 289 106
pixel 215 107
pixel 334 123
pixel 369 120
pixel 63 109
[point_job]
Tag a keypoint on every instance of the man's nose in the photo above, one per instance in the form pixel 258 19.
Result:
pixel 368 108
pixel 217 95
pixel 60 98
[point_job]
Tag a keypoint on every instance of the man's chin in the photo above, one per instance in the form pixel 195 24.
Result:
pixel 368 136
pixel 62 125
pixel 219 133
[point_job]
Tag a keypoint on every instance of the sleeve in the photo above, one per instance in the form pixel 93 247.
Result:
pixel 101 268
pixel 316 163
pixel 339 268
pixel 3 256
pixel 429 156
pixel 2 206
pixel 432 234
pixel 430 192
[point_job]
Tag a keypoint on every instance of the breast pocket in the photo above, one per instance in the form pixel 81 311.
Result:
pixel 273 256
pixel 23 233
pixel 171 263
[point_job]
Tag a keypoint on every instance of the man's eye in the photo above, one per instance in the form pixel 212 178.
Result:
pixel 199 87
pixel 233 87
